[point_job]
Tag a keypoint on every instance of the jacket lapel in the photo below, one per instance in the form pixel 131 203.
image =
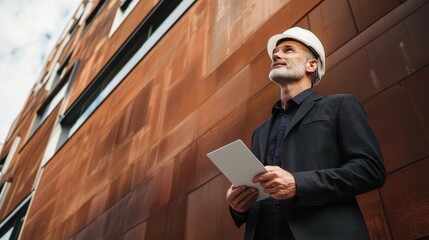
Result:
pixel 308 103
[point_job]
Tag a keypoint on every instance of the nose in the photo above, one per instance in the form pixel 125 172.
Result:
pixel 276 56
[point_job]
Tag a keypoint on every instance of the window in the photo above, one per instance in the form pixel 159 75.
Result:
pixel 94 13
pixel 5 162
pixel 39 85
pixel 10 228
pixel 4 189
pixel 125 8
pixel 143 39
pixel 60 72
pixel 54 98
pixel 125 4
pixel 73 24
pixel 2 162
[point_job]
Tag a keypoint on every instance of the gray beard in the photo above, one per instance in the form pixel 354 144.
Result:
pixel 285 74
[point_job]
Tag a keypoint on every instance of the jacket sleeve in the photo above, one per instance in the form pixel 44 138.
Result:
pixel 239 218
pixel 362 169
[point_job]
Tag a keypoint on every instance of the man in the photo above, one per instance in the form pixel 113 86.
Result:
pixel 320 152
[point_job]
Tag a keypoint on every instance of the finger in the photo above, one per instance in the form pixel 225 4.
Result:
pixel 268 184
pixel 247 201
pixel 233 192
pixel 270 190
pixel 243 195
pixel 257 178
pixel 263 177
pixel 272 168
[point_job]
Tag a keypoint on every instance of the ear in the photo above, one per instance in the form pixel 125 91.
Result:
pixel 311 65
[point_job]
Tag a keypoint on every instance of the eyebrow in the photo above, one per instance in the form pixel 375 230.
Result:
pixel 283 46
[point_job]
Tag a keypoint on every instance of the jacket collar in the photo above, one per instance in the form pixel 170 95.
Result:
pixel 303 109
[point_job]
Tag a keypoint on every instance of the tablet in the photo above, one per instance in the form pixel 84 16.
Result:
pixel 239 165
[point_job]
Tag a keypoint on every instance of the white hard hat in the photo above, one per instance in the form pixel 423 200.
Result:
pixel 306 38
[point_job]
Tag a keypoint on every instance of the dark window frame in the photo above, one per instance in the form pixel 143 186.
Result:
pixel 94 13
pixel 125 4
pixel 2 162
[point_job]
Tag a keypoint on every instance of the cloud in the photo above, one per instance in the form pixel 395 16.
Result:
pixel 28 32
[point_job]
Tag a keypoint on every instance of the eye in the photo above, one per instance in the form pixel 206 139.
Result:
pixel 275 50
pixel 287 49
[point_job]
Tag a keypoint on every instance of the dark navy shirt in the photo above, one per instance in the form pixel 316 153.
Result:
pixel 271 224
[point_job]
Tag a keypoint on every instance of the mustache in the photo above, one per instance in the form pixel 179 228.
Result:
pixel 278 63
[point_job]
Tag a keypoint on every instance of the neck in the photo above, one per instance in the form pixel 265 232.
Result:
pixel 290 90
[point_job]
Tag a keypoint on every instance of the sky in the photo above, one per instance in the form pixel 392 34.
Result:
pixel 29 30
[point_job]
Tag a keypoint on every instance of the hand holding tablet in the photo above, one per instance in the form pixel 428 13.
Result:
pixel 239 165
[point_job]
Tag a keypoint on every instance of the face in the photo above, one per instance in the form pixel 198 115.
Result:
pixel 289 59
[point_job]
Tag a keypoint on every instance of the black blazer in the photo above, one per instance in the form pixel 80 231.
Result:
pixel 332 152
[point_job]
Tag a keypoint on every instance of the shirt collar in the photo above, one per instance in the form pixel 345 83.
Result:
pixel 292 103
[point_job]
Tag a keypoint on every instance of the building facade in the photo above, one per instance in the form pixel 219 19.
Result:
pixel 112 141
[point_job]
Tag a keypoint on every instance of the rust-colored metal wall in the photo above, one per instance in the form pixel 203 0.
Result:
pixel 137 168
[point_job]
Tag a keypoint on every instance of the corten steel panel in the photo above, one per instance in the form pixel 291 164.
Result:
pixel 184 172
pixel 226 228
pixel 202 211
pixel 259 108
pixel 229 129
pixel 156 225
pixel 352 75
pixel 137 205
pixel 140 168
pixel 93 231
pixel 418 35
pixel 397 127
pixel 118 187
pixel 372 208
pixel 259 69
pixel 109 225
pixel 134 115
pixel 223 102
pixel 303 23
pixel 417 86
pixel 162 186
pixel 97 206
pixel 388 56
pixel 175 226
pixel 136 233
pixel 206 211
pixel 406 197
pixel 174 142
pixel 231 22
pixel 167 222
pixel 366 12
pixel 332 21
pixel 184 98
pixel 387 59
